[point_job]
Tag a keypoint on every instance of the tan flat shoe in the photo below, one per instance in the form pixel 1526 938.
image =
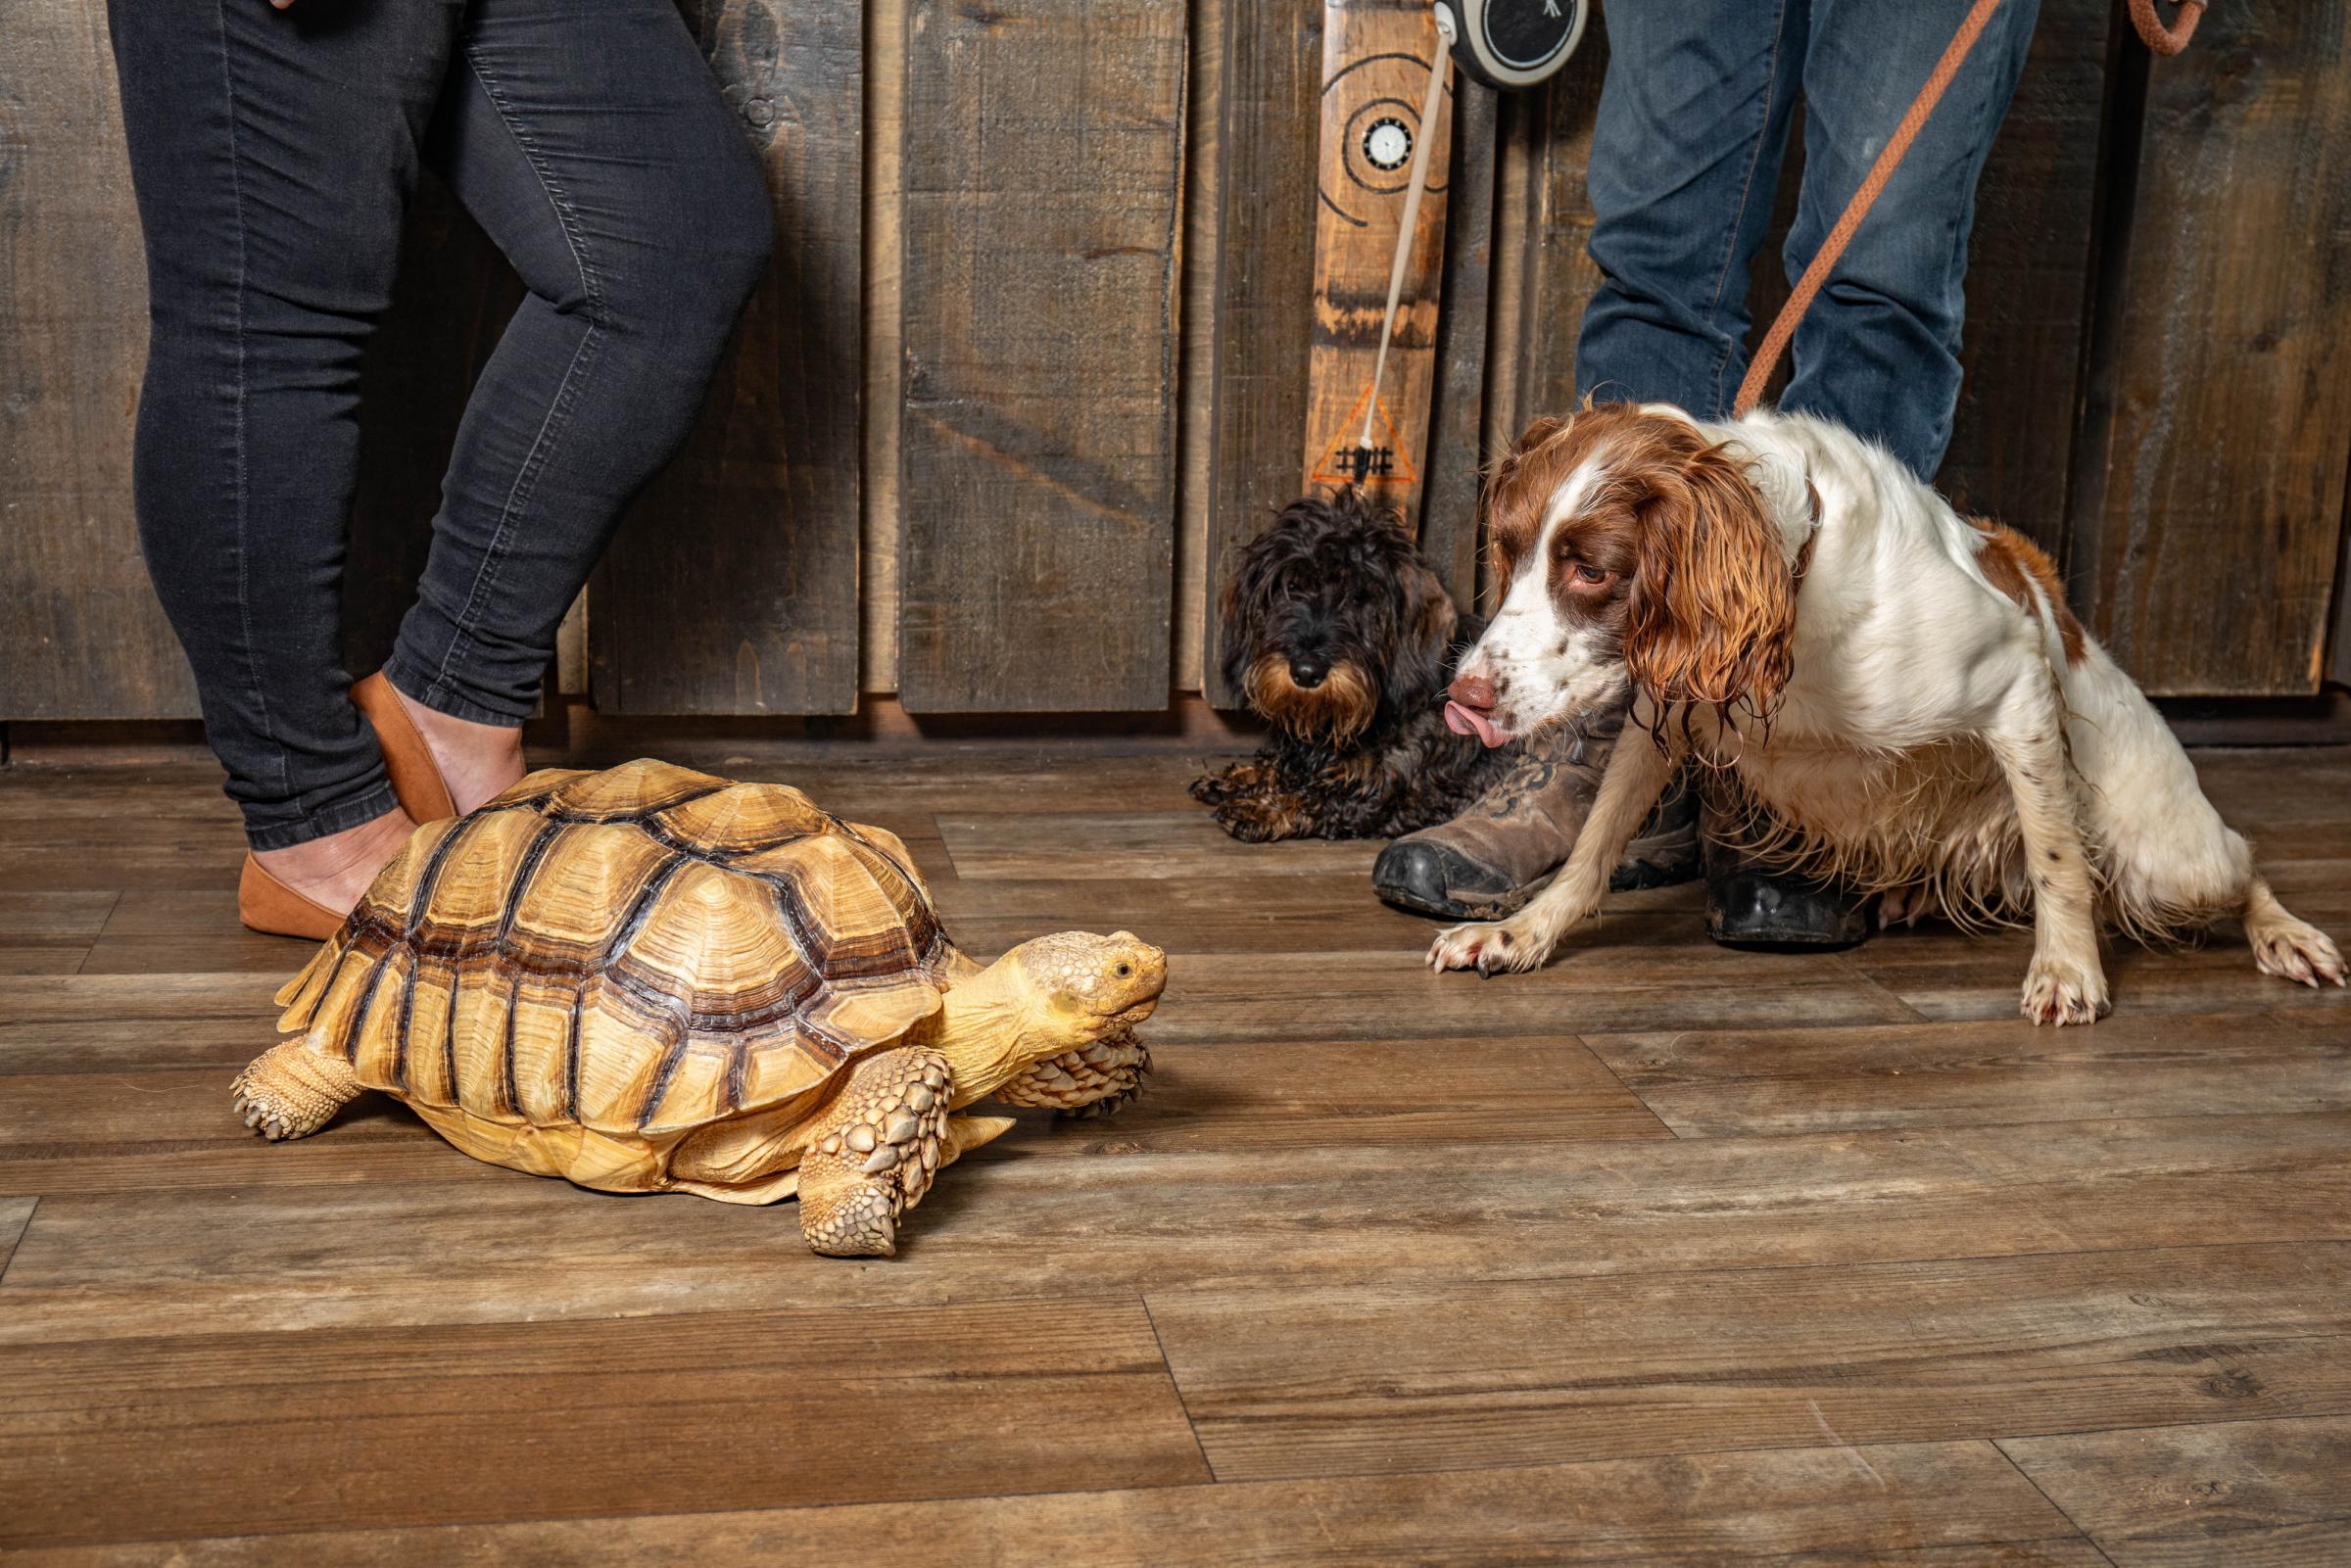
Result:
pixel 416 780
pixel 269 906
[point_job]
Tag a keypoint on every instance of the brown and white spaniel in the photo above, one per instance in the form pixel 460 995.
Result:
pixel 1896 694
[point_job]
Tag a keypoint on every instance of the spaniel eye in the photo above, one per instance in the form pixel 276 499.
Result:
pixel 1586 572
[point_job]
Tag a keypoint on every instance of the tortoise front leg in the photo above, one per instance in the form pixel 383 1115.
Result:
pixel 291 1091
pixel 872 1152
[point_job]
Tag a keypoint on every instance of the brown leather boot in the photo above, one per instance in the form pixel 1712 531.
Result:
pixel 416 781
pixel 1495 856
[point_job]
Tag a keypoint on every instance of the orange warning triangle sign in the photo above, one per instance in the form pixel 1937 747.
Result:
pixel 1345 461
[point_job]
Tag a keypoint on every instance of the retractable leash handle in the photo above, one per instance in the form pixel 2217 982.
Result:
pixel 1506 44
pixel 1512 44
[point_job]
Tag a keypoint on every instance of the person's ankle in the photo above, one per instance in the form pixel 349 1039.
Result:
pixel 479 762
pixel 335 870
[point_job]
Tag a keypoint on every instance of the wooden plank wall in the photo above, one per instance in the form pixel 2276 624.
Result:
pixel 1043 206
pixel 2229 409
pixel 733 586
pixel 80 632
pixel 1265 282
pixel 2029 277
pixel 1032 364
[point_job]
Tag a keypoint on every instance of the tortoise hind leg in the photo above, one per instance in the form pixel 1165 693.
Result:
pixel 871 1152
pixel 291 1091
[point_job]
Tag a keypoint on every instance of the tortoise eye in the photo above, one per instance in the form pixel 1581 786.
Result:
pixel 1125 971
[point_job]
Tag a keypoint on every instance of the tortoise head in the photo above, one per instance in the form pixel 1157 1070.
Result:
pixel 1084 986
pixel 1045 997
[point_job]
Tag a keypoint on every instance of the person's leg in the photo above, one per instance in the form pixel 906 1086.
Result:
pixel 272 154
pixel 1686 151
pixel 588 138
pixel 1879 350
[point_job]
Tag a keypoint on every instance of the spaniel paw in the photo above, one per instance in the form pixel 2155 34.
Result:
pixel 2060 993
pixel 2294 951
pixel 1503 947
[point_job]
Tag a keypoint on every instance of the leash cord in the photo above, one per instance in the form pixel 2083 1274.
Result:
pixel 2158 37
pixel 1430 104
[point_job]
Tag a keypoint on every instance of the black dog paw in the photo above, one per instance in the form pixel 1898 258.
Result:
pixel 1253 822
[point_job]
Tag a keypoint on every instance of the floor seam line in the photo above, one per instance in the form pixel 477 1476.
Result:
pixel 2093 1542
pixel 1182 1402
pixel 23 1231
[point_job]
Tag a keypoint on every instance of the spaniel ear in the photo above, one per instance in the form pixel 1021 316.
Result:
pixel 1505 503
pixel 1712 613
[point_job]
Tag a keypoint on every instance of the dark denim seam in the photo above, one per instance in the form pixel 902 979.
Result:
pixel 1747 186
pixel 236 188
pixel 559 414
pixel 415 682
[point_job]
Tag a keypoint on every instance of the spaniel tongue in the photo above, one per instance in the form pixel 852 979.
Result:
pixel 1468 721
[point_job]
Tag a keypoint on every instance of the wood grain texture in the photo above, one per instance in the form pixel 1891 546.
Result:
pixel 2029 279
pixel 1265 285
pixel 733 586
pixel 50 933
pixel 1375 62
pixel 1667 1254
pixel 2231 1494
pixel 2206 547
pixel 381 1238
pixel 884 319
pixel 1893 1504
pixel 1196 414
pixel 81 636
pixel 14 1214
pixel 1043 210
pixel 2254 1061
pixel 1550 225
pixel 1760 1358
pixel 1454 470
pixel 200 1436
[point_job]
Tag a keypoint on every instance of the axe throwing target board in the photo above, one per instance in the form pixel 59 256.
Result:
pixel 1375 60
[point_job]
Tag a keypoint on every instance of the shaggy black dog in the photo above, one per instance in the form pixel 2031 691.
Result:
pixel 1338 632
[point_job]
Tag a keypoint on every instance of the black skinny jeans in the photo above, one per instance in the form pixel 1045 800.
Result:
pixel 273 155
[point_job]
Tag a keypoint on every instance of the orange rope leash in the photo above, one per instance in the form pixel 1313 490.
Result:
pixel 2155 35
pixel 2159 38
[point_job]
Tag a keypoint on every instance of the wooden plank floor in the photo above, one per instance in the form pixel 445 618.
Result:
pixel 1666 1255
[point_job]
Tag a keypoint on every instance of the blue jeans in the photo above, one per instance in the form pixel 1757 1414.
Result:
pixel 1692 125
pixel 273 153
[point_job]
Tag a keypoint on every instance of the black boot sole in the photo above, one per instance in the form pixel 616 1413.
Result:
pixel 1664 859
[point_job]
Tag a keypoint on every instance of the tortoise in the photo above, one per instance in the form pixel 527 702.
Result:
pixel 649 980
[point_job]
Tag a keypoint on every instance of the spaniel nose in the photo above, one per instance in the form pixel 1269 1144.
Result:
pixel 1474 693
pixel 1306 671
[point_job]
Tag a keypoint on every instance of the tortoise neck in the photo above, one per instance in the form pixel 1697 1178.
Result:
pixel 986 1027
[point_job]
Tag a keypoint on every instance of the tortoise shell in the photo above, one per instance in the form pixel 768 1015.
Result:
pixel 637 952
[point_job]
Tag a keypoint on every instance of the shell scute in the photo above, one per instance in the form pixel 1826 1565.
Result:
pixel 743 818
pixel 633 789
pixel 634 952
